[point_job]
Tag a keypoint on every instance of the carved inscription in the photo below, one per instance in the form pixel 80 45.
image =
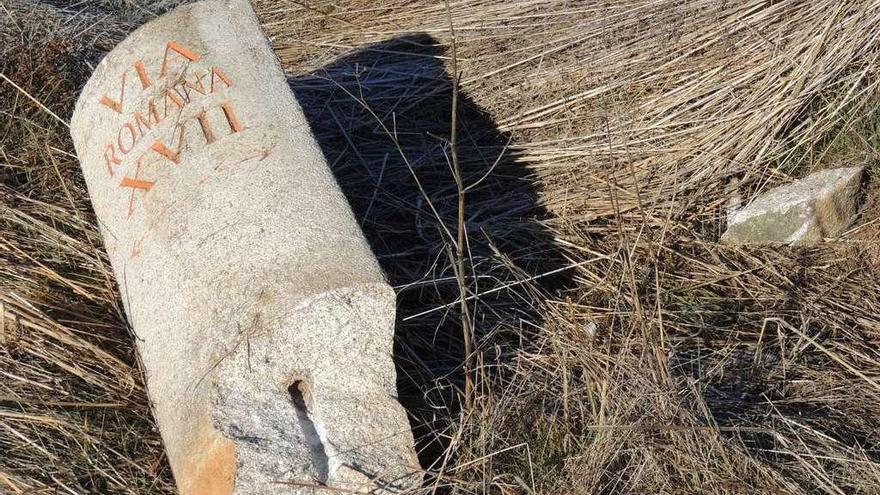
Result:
pixel 156 131
pixel 167 97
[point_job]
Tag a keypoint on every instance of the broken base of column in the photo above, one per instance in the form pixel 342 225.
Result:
pixel 325 420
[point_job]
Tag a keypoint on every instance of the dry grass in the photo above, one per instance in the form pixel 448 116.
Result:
pixel 618 348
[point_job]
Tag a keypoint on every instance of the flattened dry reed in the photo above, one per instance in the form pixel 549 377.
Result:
pixel 618 347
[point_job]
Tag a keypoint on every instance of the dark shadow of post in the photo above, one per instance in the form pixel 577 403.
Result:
pixel 399 183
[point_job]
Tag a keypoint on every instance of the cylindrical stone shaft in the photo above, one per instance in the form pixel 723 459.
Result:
pixel 263 320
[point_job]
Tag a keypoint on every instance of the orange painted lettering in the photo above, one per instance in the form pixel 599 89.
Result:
pixel 163 149
pixel 179 49
pixel 200 88
pixel 111 158
pixel 136 183
pixel 151 112
pixel 234 123
pixel 142 74
pixel 112 104
pixel 171 94
pixel 132 137
pixel 206 127
pixel 215 71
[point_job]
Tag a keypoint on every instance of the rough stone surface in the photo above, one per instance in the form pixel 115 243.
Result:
pixel 805 212
pixel 264 322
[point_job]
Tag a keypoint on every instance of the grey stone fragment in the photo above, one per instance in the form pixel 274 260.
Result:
pixel 805 212
pixel 264 322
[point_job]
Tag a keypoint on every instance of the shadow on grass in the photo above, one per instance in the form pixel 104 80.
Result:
pixel 399 182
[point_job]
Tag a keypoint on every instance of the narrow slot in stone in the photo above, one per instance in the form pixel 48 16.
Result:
pixel 299 393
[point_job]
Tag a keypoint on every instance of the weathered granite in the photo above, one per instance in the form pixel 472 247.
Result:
pixel 263 320
pixel 805 212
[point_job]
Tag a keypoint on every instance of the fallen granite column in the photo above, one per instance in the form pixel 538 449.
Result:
pixel 263 319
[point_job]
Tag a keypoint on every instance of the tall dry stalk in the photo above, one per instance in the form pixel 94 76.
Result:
pixel 461 227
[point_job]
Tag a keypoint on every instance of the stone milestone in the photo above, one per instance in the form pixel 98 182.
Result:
pixel 805 212
pixel 263 320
